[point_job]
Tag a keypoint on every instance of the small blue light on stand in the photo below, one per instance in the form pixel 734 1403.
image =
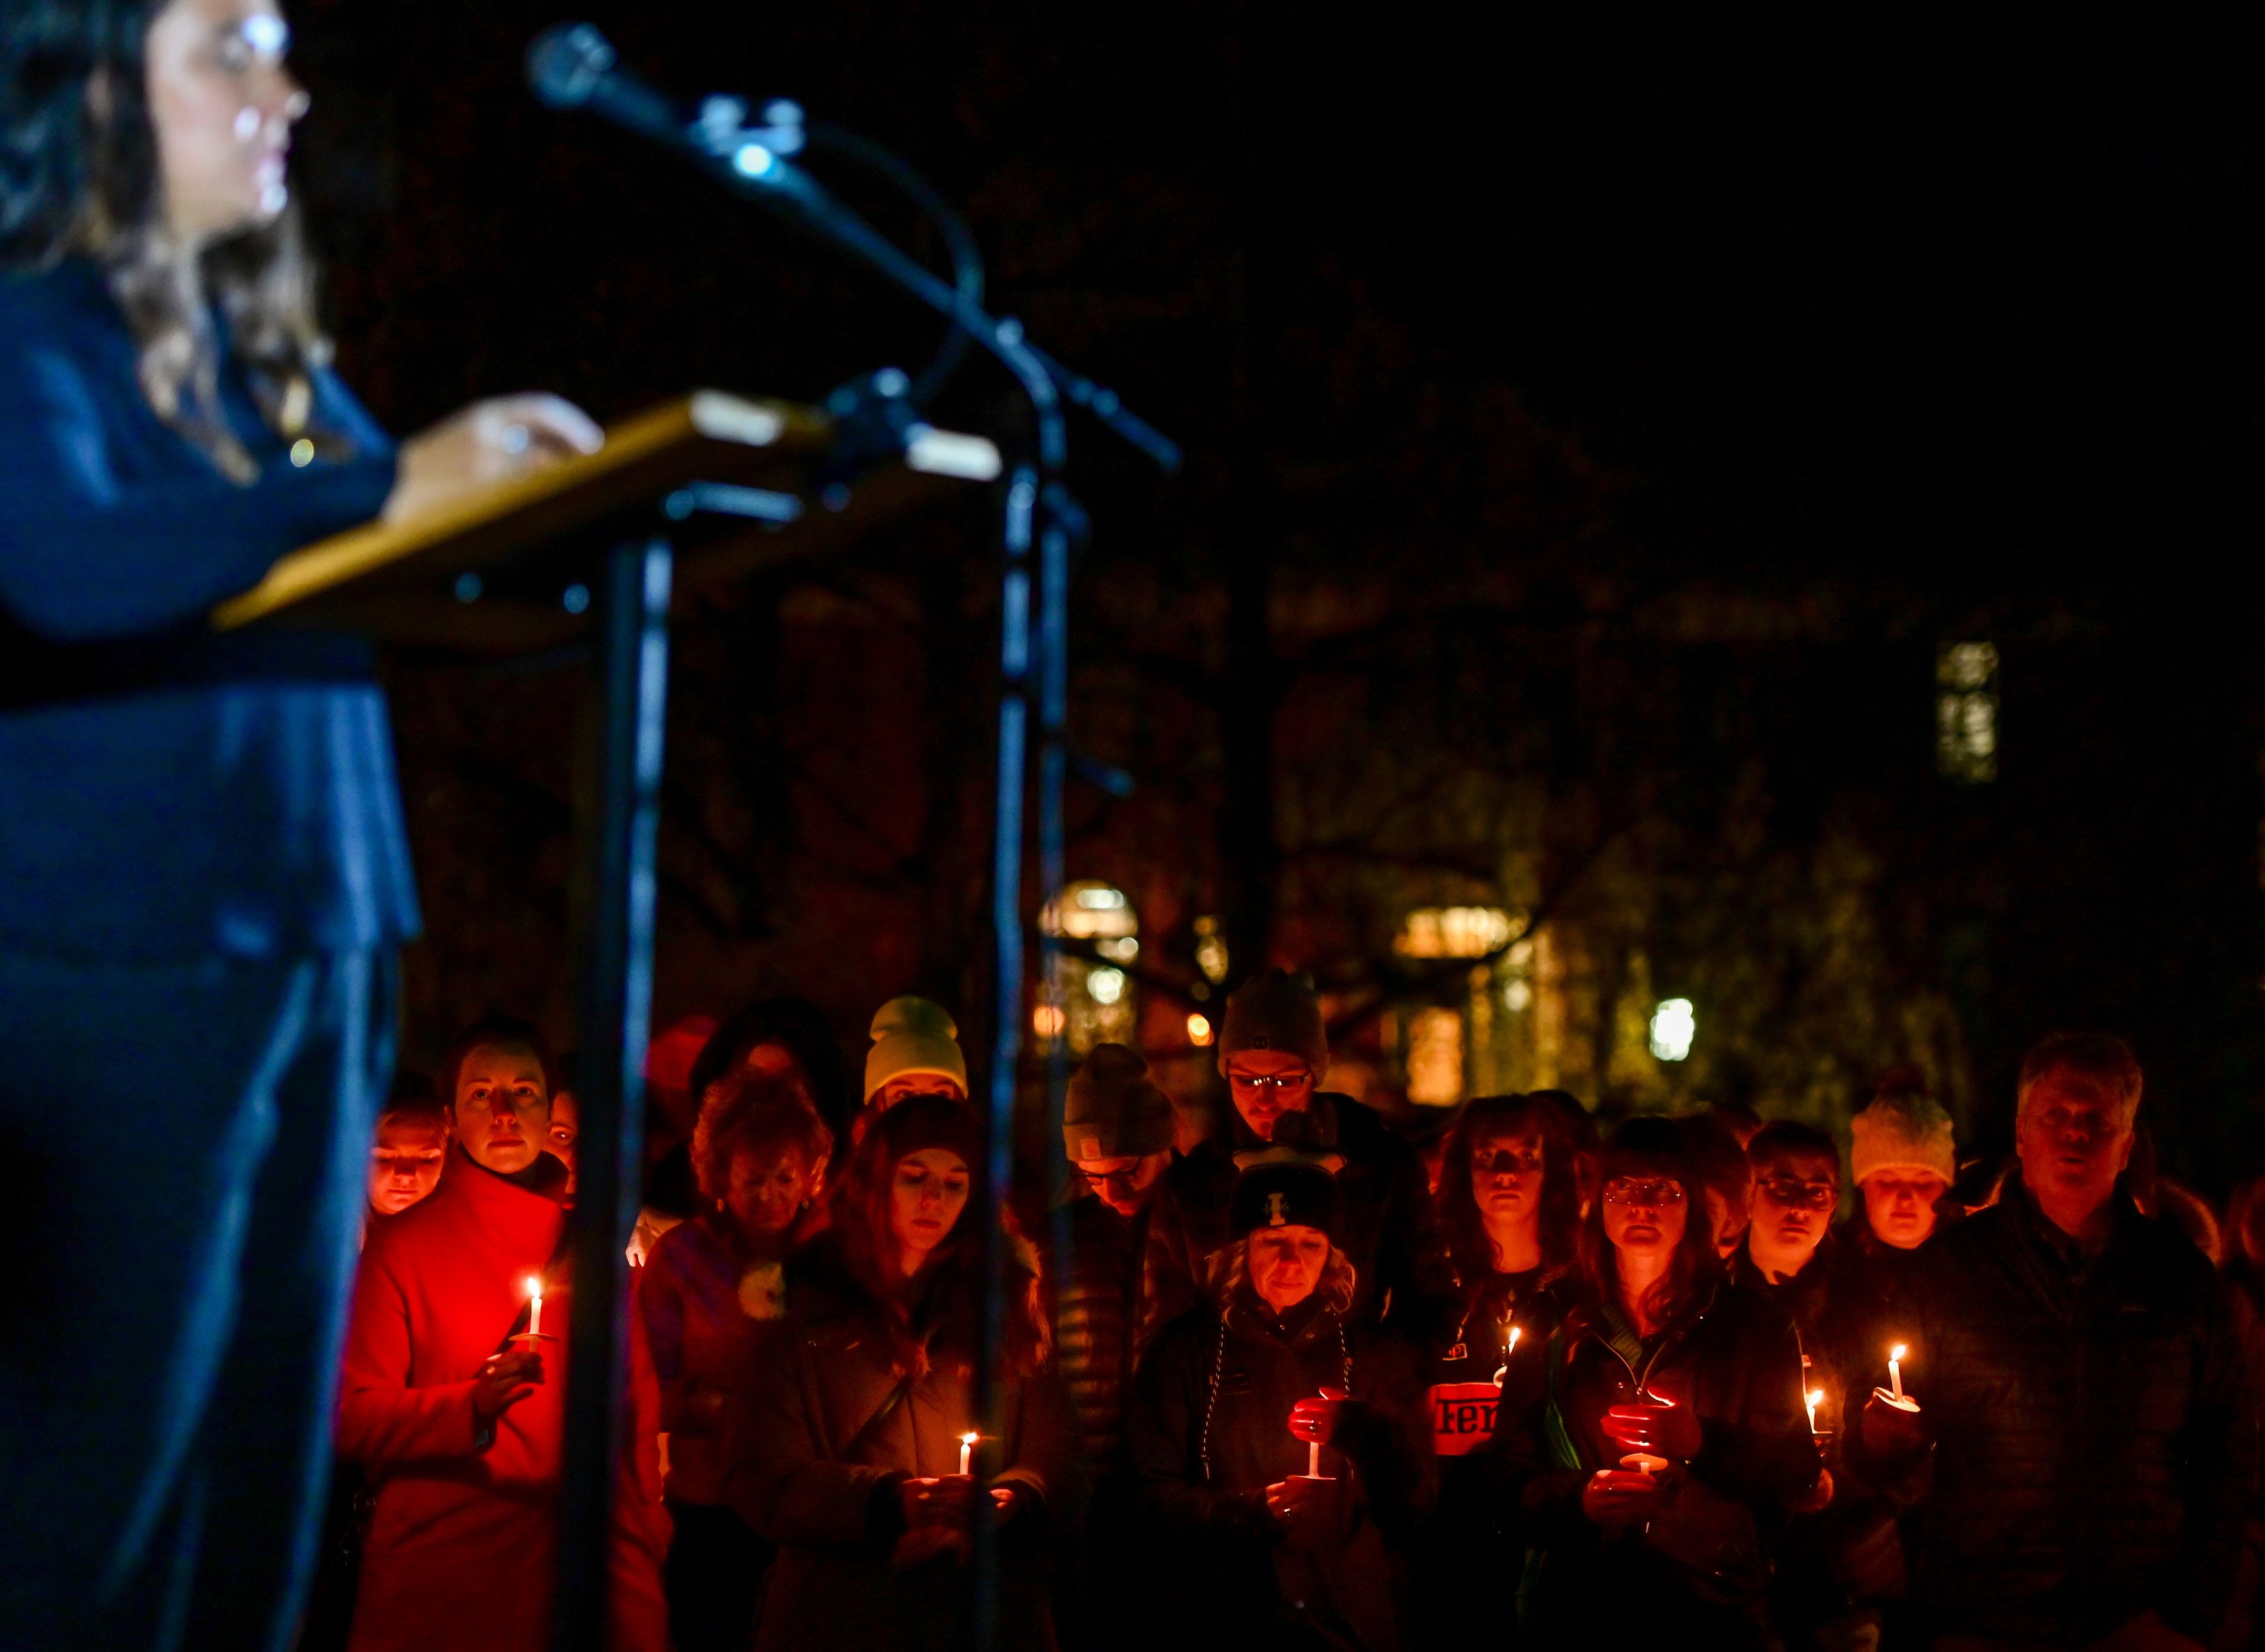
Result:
pixel 753 160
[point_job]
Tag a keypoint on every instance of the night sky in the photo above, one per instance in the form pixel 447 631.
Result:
pixel 1947 327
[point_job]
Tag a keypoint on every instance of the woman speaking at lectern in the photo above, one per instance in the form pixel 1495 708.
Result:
pixel 203 874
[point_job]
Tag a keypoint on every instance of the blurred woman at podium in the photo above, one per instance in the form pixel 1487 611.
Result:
pixel 203 874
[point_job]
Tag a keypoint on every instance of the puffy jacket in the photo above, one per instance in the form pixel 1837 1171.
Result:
pixel 1207 1431
pixel 1097 1310
pixel 1385 1223
pixel 2095 1444
pixel 1736 1360
pixel 824 1436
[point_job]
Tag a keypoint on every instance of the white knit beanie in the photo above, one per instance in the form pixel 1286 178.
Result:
pixel 1906 1132
pixel 912 1036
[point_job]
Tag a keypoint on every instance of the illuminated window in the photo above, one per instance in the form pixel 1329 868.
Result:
pixel 1199 1033
pixel 1090 999
pixel 1211 950
pixel 1966 712
pixel 1674 1025
pixel 1453 932
pixel 1435 1058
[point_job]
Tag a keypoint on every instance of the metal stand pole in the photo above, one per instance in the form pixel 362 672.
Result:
pixel 617 816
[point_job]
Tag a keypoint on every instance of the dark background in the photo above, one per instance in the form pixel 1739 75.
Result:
pixel 1623 410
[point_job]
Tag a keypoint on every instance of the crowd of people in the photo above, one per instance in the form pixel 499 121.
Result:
pixel 1307 1381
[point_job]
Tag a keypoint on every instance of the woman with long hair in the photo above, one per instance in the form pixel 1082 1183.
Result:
pixel 203 873
pixel 1650 1448
pixel 847 1450
pixel 1510 1205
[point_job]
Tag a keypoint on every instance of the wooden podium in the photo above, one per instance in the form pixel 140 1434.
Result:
pixel 592 548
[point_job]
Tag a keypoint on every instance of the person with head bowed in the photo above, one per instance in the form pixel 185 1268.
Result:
pixel 2083 1426
pixel 713 1296
pixel 453 1400
pixel 1903 1161
pixel 204 877
pixel 859 1449
pixel 1283 1442
pixel 412 1144
pixel 1649 1451
pixel 1509 1204
pixel 1274 1052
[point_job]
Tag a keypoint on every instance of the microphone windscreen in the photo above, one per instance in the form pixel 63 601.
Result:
pixel 567 63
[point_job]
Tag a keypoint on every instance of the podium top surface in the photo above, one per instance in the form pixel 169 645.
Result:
pixel 489 570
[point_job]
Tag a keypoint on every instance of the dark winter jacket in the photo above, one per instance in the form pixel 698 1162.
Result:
pixel 1097 1316
pixel 827 1433
pixel 1702 1564
pixel 1386 1224
pixel 1207 1431
pixel 2095 1444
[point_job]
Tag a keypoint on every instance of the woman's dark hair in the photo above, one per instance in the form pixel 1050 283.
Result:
pixel 754 1112
pixel 794 1023
pixel 79 174
pixel 1485 1116
pixel 952 1321
pixel 1656 1148
pixel 1786 1139
pixel 508 1031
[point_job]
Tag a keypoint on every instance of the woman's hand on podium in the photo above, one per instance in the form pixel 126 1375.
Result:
pixel 496 440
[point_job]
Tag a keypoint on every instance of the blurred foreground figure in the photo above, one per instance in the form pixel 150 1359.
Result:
pixel 2083 1408
pixel 203 874
pixel 713 1296
pixel 848 1452
pixel 453 1404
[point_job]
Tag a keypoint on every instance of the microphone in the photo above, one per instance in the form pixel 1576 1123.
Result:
pixel 573 66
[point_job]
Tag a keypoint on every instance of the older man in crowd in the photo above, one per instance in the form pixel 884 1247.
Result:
pixel 2081 1381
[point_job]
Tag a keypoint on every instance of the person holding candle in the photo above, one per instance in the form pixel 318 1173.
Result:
pixel 1647 1452
pixel 1274 1052
pixel 845 1449
pixel 2081 1404
pixel 713 1298
pixel 453 1406
pixel 1509 1204
pixel 1237 1401
pixel 1904 1161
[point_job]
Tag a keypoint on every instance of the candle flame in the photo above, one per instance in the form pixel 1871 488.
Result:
pixel 1515 1333
pixel 969 1439
pixel 1816 1398
pixel 535 1286
pixel 1896 1352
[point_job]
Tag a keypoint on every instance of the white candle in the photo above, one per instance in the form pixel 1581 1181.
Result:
pixel 1313 1460
pixel 966 1450
pixel 535 1306
pixel 1895 1370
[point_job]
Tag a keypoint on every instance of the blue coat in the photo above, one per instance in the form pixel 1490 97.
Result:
pixel 166 793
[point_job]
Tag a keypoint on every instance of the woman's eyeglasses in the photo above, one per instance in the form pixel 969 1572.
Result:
pixel 1800 1196
pixel 1628 1190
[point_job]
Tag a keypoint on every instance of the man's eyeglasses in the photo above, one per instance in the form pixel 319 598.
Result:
pixel 1800 1196
pixel 1125 1179
pixel 1506 1162
pixel 1628 1190
pixel 1260 1083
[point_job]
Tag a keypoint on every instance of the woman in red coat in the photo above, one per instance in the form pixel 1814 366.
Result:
pixel 455 1415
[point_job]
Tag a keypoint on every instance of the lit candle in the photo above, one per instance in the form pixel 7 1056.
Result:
pixel 1507 1348
pixel 1816 1399
pixel 966 1450
pixel 1895 1370
pixel 535 1305
pixel 1313 1460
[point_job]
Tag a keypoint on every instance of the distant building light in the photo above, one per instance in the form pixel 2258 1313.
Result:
pixel 1106 985
pixel 1211 950
pixel 1089 910
pixel 1100 898
pixel 1435 1058
pixel 1200 1031
pixel 1124 949
pixel 1517 996
pixel 1966 712
pixel 1046 1021
pixel 1453 932
pixel 1674 1025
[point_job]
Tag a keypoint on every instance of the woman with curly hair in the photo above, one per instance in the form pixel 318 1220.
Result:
pixel 713 1295
pixel 1225 1411
pixel 1647 1452
pixel 846 1451
pixel 203 873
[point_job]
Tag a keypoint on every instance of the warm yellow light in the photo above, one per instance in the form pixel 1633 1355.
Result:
pixel 534 1286
pixel 1816 1398
pixel 1896 1352
pixel 1048 1019
pixel 1199 1030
